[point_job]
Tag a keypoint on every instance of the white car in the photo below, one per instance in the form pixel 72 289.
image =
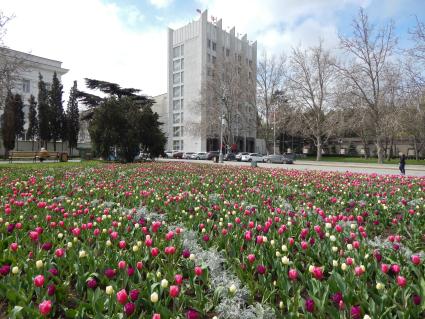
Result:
pixel 199 156
pixel 252 157
pixel 187 155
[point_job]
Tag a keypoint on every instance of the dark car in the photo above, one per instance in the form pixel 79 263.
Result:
pixel 212 154
pixel 178 155
pixel 230 157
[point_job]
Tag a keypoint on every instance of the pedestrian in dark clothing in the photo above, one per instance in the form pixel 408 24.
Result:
pixel 402 164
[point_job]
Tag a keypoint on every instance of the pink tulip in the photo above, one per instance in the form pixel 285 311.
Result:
pixel 39 281
pixel 401 281
pixel 45 307
pixel 198 271
pixel 251 258
pixel 174 291
pixel 293 274
pixel 122 296
pixel 416 259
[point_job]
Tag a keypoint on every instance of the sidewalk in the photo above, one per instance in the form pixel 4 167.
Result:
pixel 360 165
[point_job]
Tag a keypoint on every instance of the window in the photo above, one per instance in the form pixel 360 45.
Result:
pixel 26 86
pixel 182 91
pixel 227 52
pixel 176 118
pixel 182 64
pixel 176 78
pixel 176 105
pixel 177 65
pixel 176 91
pixel 250 63
pixel 177 131
pixel 177 145
pixel 214 46
pixel 181 104
pixel 182 50
pixel 209 72
pixel 239 58
pixel 209 57
pixel 176 52
pixel 181 117
pixel 250 75
pixel 214 59
pixel 182 77
pixel 209 44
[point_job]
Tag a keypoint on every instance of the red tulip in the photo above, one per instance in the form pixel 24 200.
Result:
pixel 385 268
pixel 317 273
pixel 251 258
pixel 179 279
pixel 416 259
pixel 59 252
pixel 198 271
pixel 121 264
pixel 154 251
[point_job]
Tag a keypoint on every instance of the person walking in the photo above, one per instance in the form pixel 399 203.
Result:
pixel 402 164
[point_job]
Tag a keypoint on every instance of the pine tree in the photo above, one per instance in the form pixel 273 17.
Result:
pixel 73 118
pixel 32 120
pixel 57 118
pixel 43 111
pixel 8 124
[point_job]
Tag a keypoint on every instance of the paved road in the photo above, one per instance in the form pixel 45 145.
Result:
pixel 412 170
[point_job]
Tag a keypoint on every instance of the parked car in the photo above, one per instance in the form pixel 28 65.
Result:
pixel 278 158
pixel 239 155
pixel 229 157
pixel 169 154
pixel 187 155
pixel 252 157
pixel 199 156
pixel 212 154
pixel 178 154
pixel 143 157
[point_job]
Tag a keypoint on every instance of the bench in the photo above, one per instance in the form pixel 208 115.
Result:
pixel 31 155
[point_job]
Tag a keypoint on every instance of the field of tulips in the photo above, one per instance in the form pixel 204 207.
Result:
pixel 178 240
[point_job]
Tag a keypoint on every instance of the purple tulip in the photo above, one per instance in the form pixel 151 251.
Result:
pixel 309 305
pixel 356 312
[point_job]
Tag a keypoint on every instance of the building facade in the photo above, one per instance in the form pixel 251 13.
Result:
pixel 199 93
pixel 25 83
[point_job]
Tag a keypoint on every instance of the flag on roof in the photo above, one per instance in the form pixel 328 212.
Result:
pixel 199 11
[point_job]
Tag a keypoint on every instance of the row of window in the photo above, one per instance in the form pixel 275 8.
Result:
pixel 212 45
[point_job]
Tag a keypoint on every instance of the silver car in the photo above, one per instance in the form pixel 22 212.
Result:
pixel 280 159
pixel 239 155
pixel 252 157
pixel 199 156
pixel 187 155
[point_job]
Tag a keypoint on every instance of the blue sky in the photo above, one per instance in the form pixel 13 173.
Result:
pixel 125 40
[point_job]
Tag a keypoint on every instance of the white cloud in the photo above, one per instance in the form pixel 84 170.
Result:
pixel 91 40
pixel 278 25
pixel 161 3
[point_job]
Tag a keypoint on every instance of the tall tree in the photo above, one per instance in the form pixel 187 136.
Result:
pixel 8 127
pixel 32 130
pixel 73 118
pixel 270 77
pixel 57 117
pixel 123 120
pixel 43 112
pixel 19 116
pixel 370 50
pixel 311 79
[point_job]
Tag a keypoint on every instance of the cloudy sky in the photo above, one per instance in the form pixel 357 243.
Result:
pixel 124 41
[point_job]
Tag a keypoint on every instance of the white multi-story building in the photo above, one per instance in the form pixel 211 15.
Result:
pixel 194 51
pixel 26 79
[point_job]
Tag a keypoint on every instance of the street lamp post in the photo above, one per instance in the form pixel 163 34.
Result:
pixel 274 132
pixel 220 157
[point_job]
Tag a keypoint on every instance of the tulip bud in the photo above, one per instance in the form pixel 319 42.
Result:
pixel 109 290
pixel 154 297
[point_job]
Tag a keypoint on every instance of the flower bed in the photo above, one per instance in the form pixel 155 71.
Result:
pixel 163 240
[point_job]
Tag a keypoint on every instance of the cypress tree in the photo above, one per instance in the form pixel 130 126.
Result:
pixel 43 111
pixel 57 118
pixel 19 116
pixel 73 117
pixel 32 120
pixel 8 127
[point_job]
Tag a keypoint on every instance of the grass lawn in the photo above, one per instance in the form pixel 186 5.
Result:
pixel 360 160
pixel 31 165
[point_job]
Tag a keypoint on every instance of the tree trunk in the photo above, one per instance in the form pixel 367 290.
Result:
pixel 54 145
pixel 415 146
pixel 319 149
pixel 380 150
